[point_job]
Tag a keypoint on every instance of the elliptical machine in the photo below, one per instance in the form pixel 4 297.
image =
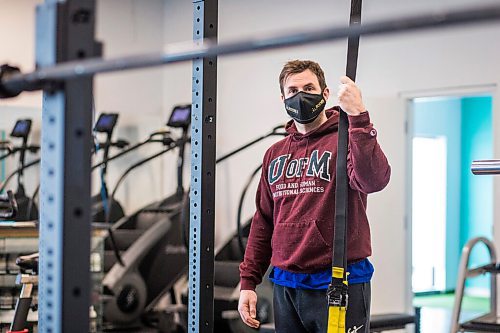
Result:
pixel 99 202
pixel 150 254
pixel 230 255
pixel 102 208
pixel 8 206
pixel 27 210
pixel 17 211
pixel 28 264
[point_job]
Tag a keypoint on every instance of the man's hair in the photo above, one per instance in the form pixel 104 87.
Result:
pixel 298 66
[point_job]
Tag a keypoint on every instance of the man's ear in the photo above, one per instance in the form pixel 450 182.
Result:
pixel 282 98
pixel 326 93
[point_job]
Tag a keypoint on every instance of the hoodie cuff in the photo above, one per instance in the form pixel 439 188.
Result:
pixel 360 121
pixel 247 285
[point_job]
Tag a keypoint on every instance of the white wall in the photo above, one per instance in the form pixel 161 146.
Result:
pixel 249 103
pixel 17 21
pixel 17 26
pixel 125 27
pixel 131 27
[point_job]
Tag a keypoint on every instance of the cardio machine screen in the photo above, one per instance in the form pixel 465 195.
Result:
pixel 106 122
pixel 21 129
pixel 180 117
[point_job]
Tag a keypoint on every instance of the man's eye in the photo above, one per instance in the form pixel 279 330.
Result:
pixel 292 91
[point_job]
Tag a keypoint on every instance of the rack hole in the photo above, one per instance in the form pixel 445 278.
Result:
pixel 81 54
pixel 78 212
pixel 79 133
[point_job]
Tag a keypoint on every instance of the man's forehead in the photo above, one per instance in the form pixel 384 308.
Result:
pixel 301 78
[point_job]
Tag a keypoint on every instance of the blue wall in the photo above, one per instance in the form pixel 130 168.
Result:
pixel 477 191
pixel 467 125
pixel 442 117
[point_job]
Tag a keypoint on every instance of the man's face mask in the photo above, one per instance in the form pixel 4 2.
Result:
pixel 304 107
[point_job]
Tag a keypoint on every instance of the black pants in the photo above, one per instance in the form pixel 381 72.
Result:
pixel 306 311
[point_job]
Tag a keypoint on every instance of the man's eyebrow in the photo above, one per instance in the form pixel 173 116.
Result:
pixel 310 84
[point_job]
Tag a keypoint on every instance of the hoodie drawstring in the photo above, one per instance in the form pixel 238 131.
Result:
pixel 287 160
pixel 302 171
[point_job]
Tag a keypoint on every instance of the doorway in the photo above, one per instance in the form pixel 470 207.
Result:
pixel 449 205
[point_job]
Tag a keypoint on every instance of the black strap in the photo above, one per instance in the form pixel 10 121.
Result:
pixel 342 185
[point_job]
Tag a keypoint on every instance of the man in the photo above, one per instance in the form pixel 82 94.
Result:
pixel 293 225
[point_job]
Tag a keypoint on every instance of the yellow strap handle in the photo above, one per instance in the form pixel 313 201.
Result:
pixel 336 319
pixel 337 314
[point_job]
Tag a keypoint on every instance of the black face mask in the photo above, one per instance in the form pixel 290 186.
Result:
pixel 305 107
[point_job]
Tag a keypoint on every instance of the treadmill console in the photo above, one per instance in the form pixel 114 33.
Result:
pixel 106 122
pixel 180 117
pixel 21 129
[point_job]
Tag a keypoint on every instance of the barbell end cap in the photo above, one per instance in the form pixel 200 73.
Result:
pixel 7 71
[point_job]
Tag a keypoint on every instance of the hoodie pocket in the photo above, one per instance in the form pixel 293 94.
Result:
pixel 300 246
pixel 325 230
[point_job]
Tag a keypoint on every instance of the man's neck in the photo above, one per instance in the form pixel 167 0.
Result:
pixel 306 128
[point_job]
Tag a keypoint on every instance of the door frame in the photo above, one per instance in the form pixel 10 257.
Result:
pixel 407 97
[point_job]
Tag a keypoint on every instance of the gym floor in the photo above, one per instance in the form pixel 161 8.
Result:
pixel 436 310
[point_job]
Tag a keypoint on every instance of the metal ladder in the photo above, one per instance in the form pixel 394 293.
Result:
pixel 491 321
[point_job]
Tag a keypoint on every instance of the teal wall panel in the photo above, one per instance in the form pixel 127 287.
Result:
pixel 477 191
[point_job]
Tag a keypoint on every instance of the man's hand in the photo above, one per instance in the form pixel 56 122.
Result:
pixel 247 307
pixel 349 97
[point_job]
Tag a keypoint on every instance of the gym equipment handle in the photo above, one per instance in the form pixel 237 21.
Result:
pixel 486 167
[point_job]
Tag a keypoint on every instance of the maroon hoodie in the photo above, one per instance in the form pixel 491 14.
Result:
pixel 293 225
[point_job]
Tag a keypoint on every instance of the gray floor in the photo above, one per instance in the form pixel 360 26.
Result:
pixel 436 320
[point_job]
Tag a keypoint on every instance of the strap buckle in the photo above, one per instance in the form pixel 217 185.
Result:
pixel 337 294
